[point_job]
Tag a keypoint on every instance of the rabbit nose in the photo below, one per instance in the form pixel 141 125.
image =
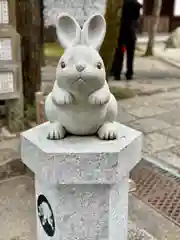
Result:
pixel 80 67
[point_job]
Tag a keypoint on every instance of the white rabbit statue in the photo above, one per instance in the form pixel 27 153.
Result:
pixel 80 102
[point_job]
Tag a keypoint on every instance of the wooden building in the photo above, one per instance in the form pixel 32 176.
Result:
pixel 170 15
pixel 169 20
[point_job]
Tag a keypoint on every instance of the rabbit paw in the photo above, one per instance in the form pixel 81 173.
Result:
pixel 57 132
pixel 98 98
pixel 108 131
pixel 63 98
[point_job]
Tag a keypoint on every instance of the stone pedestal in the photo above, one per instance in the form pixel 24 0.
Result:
pixel 81 183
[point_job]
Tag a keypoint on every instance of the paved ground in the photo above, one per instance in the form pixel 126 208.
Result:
pixel 160 37
pixel 171 56
pixel 168 55
pixel 158 117
pixel 152 76
pixel 17 208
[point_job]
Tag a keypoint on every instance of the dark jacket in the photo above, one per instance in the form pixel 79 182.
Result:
pixel 129 20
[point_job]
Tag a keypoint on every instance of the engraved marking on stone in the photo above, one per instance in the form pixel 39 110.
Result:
pixel 46 216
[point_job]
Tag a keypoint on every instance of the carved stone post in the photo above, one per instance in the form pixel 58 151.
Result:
pixel 81 183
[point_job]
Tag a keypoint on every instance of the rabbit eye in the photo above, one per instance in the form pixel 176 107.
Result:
pixel 99 65
pixel 63 65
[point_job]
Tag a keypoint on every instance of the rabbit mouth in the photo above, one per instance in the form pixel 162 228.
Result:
pixel 79 80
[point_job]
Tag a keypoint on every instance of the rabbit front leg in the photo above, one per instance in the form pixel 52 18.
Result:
pixel 101 96
pixel 57 130
pixel 61 96
pixel 108 131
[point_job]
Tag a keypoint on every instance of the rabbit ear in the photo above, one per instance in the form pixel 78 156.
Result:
pixel 68 30
pixel 93 31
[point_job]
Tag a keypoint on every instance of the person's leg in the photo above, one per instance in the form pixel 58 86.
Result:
pixel 130 46
pixel 117 62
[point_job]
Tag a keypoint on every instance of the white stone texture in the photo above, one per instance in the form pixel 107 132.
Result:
pixel 79 9
pixel 74 160
pixel 87 211
pixel 173 40
pixel 85 181
pixel 80 102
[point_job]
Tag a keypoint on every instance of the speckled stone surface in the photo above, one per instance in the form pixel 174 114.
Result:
pixel 84 182
pixel 87 211
pixel 77 160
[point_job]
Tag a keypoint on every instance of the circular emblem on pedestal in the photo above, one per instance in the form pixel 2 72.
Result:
pixel 46 216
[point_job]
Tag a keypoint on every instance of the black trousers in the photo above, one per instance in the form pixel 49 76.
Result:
pixel 119 58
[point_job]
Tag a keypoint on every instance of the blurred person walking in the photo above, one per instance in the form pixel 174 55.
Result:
pixel 127 39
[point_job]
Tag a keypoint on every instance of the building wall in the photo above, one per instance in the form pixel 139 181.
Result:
pixel 170 15
pixel 165 20
pixel 82 9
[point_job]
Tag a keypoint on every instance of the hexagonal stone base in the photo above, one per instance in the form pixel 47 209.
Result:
pixel 81 183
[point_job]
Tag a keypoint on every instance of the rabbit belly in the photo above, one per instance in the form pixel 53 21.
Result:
pixel 77 119
pixel 82 120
